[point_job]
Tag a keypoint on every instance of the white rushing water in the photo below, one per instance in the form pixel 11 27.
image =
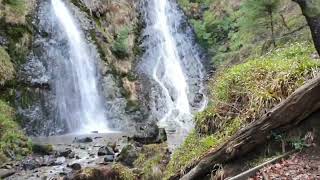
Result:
pixel 77 96
pixel 174 59
pixel 173 76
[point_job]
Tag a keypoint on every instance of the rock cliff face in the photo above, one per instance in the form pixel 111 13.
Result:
pixel 111 28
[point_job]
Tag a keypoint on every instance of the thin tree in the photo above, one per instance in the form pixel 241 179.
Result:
pixel 258 15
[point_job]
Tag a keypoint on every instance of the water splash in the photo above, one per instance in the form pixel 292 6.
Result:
pixel 176 69
pixel 77 98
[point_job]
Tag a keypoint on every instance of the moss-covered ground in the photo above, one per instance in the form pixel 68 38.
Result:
pixel 241 94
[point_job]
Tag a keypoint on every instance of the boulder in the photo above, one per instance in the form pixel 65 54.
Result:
pixel 109 158
pixel 128 155
pixel 30 164
pixel 65 153
pixel 150 134
pixel 105 151
pixel 60 161
pixel 75 166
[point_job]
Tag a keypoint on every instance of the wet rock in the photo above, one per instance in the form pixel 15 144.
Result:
pixel 109 158
pixel 75 166
pixel 150 134
pixel 65 153
pixel 34 73
pixel 47 161
pixel 60 161
pixel 4 173
pixel 128 155
pixel 72 155
pixel 42 149
pixel 83 140
pixel 3 41
pixel 197 99
pixel 30 164
pixel 162 137
pixel 105 151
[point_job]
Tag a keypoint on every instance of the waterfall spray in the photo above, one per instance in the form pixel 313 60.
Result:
pixel 77 98
pixel 172 61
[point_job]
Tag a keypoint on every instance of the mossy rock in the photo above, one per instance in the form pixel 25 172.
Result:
pixel 7 70
pixel 43 149
pixel 128 155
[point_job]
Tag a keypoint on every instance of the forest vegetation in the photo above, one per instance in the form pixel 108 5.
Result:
pixel 261 53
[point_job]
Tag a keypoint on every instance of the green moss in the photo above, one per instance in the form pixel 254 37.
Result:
pixel 13 144
pixel 152 161
pixel 195 146
pixel 7 70
pixel 124 172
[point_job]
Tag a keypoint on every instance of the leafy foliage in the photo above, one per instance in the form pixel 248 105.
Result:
pixel 231 30
pixel 255 16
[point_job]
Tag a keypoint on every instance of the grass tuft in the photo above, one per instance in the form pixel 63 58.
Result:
pixel 15 11
pixel 249 90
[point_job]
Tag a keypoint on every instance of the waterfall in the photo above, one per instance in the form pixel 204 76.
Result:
pixel 172 61
pixel 77 96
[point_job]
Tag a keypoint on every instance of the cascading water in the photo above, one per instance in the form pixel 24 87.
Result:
pixel 172 61
pixel 77 98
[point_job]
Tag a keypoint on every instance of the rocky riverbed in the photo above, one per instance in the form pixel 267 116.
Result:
pixel 74 156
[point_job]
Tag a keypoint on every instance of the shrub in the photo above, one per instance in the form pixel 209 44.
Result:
pixel 120 46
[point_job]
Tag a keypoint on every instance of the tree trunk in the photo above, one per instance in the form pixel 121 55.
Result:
pixel 311 10
pixel 272 28
pixel 284 116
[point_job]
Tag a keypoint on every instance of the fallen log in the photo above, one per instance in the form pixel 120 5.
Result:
pixel 297 107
